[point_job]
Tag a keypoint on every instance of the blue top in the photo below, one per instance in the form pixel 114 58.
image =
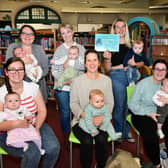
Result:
pixel 141 101
pixel 138 57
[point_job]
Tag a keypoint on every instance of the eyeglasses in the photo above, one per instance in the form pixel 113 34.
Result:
pixel 27 34
pixel 12 71
pixel 160 70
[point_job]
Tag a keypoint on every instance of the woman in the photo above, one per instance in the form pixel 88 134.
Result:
pixel 27 37
pixel 79 99
pixel 31 97
pixel 144 110
pixel 62 96
pixel 114 64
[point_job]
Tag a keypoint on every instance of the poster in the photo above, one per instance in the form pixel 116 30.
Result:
pixel 104 42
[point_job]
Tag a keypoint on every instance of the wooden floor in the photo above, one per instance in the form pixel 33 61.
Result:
pixel 63 162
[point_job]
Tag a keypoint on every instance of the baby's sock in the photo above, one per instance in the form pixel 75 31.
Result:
pixel 25 147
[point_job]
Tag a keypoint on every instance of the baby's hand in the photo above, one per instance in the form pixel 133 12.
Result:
pixel 29 119
pixel 125 68
pixel 35 74
pixel 94 132
pixel 52 61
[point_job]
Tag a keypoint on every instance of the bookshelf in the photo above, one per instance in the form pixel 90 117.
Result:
pixel 47 38
pixel 160 47
pixel 87 38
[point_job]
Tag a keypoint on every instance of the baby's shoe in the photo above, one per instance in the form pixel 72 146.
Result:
pixel 160 133
pixel 42 151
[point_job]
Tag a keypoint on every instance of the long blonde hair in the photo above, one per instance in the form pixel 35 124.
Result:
pixel 127 37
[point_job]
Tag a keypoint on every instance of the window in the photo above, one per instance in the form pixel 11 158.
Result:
pixel 37 14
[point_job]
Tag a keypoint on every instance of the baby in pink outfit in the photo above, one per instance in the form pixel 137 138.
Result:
pixel 13 110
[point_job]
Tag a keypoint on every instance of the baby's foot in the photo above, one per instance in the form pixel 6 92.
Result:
pixel 42 151
pixel 117 136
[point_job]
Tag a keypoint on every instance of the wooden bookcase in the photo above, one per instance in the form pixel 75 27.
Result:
pixel 87 38
pixel 47 38
pixel 160 47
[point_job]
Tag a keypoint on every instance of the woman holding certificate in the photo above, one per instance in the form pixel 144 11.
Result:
pixel 114 65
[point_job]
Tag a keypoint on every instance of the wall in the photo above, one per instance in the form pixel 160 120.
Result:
pixel 75 18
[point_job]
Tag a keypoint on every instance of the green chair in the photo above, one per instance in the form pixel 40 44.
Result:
pixel 73 139
pixel 2 152
pixel 130 90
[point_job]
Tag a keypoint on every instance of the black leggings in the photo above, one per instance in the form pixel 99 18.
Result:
pixel 86 147
pixel 148 130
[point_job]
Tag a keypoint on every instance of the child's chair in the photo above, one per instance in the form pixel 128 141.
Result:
pixel 73 139
pixel 130 90
pixel 2 152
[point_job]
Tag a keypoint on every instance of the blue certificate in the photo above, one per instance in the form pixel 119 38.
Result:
pixel 107 42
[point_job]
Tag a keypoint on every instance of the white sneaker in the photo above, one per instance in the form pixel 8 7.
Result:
pixel 130 138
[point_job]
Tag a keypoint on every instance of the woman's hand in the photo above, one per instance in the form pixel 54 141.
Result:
pixel 66 64
pixel 97 120
pixel 107 55
pixel 28 60
pixel 21 123
pixel 68 82
pixel 154 116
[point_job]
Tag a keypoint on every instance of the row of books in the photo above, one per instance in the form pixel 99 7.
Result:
pixel 5 39
pixel 46 42
pixel 160 41
pixel 84 38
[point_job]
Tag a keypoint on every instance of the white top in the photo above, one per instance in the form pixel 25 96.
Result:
pixel 156 97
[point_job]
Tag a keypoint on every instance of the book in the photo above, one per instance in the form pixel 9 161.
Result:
pixel 107 42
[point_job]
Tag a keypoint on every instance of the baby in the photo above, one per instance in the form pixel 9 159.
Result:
pixel 17 137
pixel 33 71
pixel 69 72
pixel 136 55
pixel 162 108
pixel 97 107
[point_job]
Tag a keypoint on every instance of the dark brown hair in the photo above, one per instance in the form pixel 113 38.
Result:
pixel 8 62
pixel 30 27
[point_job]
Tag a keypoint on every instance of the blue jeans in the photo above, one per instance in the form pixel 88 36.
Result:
pixel 64 108
pixel 31 157
pixel 133 74
pixel 119 84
